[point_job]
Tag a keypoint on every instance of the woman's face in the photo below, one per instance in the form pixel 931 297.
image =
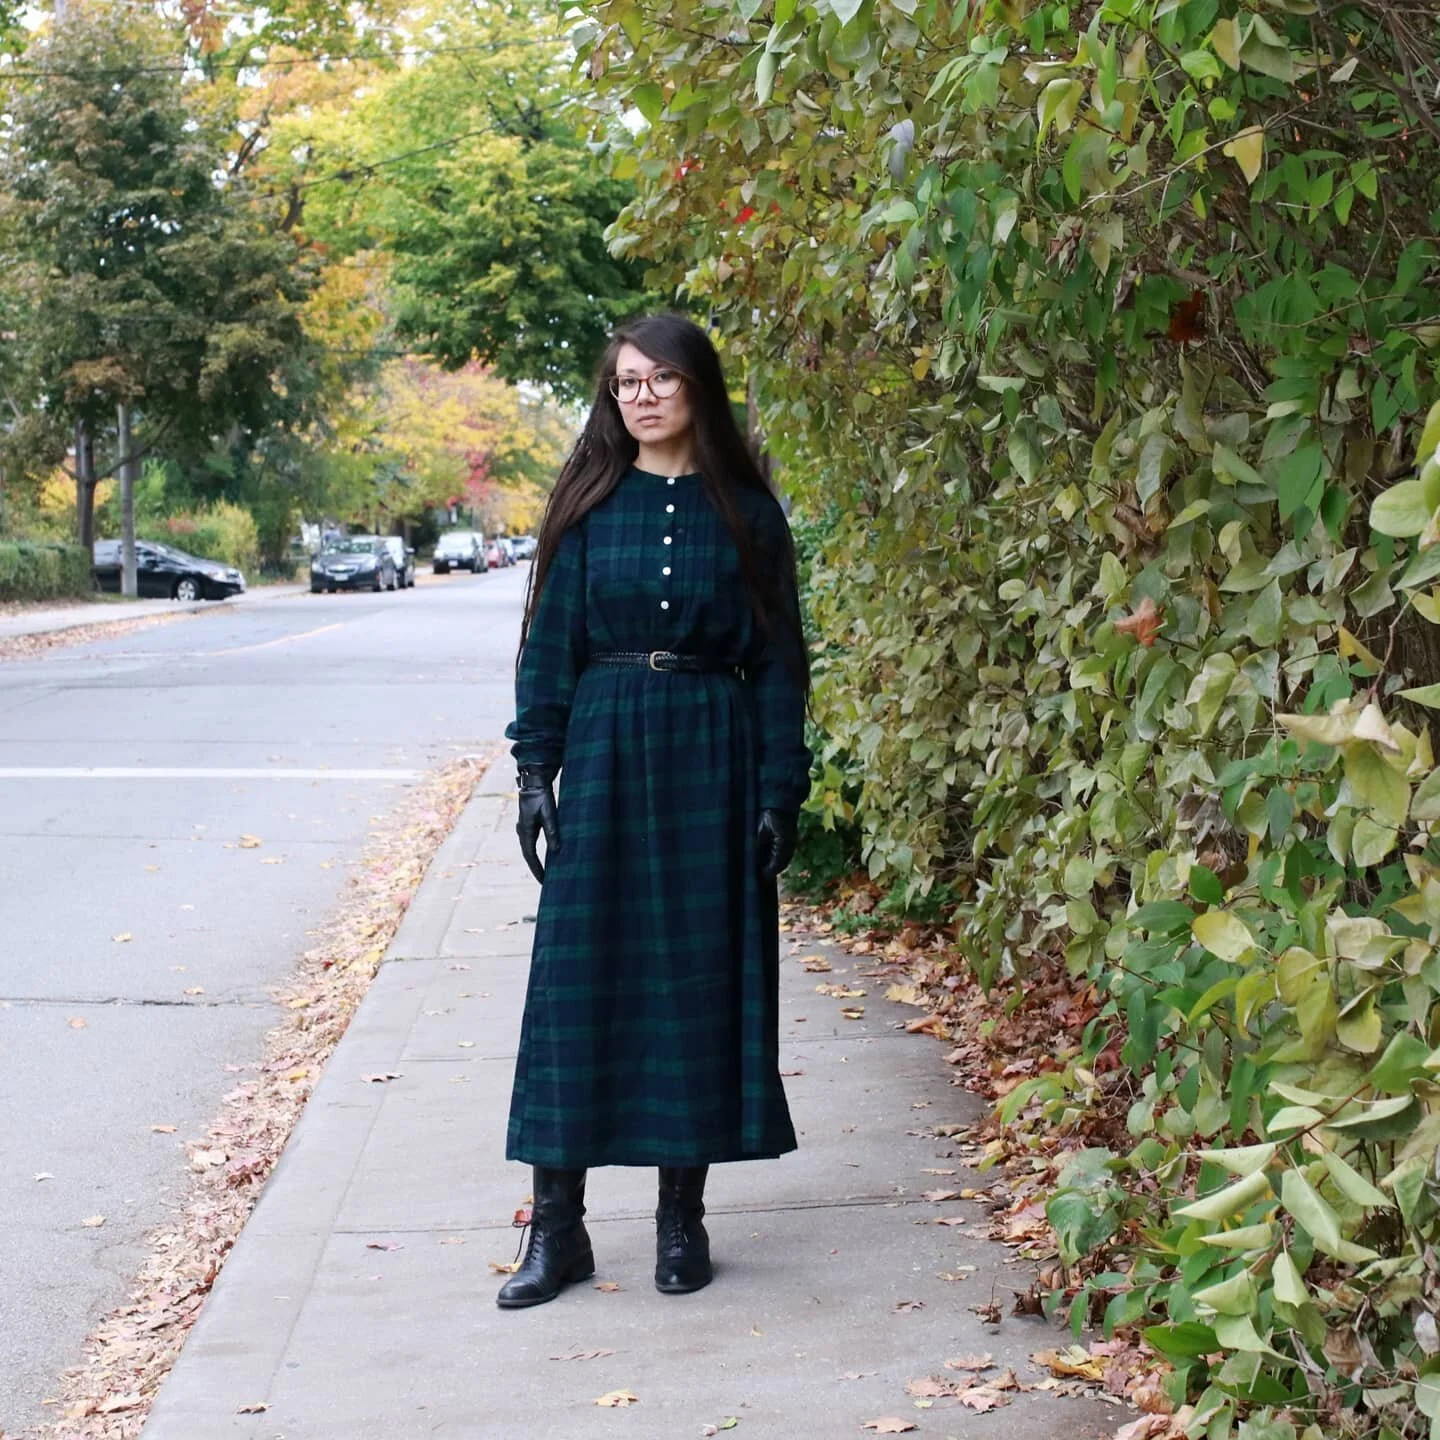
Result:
pixel 651 419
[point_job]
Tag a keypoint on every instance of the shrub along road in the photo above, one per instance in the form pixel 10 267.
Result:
pixel 149 908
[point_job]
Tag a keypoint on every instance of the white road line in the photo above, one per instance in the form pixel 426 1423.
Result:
pixel 164 772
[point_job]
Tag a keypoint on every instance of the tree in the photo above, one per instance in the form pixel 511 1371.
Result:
pixel 154 283
pixel 466 172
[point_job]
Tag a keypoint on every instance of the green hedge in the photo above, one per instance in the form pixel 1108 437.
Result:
pixel 32 571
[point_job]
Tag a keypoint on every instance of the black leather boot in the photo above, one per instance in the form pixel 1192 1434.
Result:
pixel 559 1253
pixel 682 1248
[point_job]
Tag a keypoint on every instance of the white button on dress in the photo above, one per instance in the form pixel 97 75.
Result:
pixel 671 480
pixel 667 539
pixel 669 509
pixel 664 604
pixel 666 570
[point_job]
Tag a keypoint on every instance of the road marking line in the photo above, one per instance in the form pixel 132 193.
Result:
pixel 162 772
pixel 283 640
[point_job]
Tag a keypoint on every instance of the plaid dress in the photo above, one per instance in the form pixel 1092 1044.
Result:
pixel 650 1033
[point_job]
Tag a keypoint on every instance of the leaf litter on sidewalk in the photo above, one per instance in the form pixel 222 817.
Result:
pixel 128 1355
pixel 996 1041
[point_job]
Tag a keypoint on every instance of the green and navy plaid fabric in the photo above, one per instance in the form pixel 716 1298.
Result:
pixel 651 1020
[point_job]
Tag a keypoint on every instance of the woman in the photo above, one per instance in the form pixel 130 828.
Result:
pixel 663 675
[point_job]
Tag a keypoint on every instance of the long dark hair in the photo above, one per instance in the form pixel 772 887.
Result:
pixel 606 450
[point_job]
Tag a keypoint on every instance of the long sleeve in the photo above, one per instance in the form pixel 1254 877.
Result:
pixel 553 658
pixel 784 758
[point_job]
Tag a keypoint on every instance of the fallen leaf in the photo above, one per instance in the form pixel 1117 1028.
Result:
pixel 506 1267
pixel 906 995
pixel 857 1374
pixel 935 1197
pixel 949 1219
pixel 971 1362
pixel 608 1286
pixel 123 938
pixel 272 860
pixel 94 1222
pixel 383 1245
pixel 1149 1394
pixel 453 1240
pixel 990 1314
pixel 258 1408
pixel 381 1077
pixel 1073 1360
pixel 728 1423
pixel 196 990
pixel 162 1129
pixel 614 1398
pixel 904 1306
pixel 583 1355
pixel 816 964
pixel 839 991
pixel 44 1175
pixel 130 1400
pixel 77 1022
pixel 207 1159
pixel 927 1025
pixel 853 1012
pixel 466 1044
pixel 982 1398
pixel 151 869
pixel 250 842
pixel 928 1388
pixel 889 1425
pixel 928 1171
pixel 961 1272
pixel 791 1074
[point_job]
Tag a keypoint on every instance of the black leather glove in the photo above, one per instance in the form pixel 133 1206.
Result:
pixel 537 813
pixel 775 841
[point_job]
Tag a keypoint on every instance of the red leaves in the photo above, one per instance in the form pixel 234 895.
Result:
pixel 1143 622
pixel 748 213
pixel 1187 319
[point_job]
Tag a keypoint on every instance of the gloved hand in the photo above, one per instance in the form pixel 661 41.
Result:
pixel 775 841
pixel 537 813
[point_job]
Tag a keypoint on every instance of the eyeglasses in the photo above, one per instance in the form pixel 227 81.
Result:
pixel 662 384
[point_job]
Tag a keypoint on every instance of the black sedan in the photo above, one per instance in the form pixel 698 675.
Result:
pixel 163 572
pixel 361 562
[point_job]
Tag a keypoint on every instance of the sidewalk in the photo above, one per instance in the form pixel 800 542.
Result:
pixel 50 618
pixel 359 1302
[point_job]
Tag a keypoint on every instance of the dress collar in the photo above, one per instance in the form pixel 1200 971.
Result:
pixel 652 475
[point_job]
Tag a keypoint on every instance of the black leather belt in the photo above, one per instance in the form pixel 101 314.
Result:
pixel 663 660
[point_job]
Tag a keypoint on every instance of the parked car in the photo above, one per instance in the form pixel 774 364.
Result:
pixel 358 562
pixel 524 546
pixel 497 556
pixel 404 558
pixel 171 574
pixel 460 550
pixel 507 544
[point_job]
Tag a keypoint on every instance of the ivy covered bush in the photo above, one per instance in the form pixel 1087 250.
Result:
pixel 1107 334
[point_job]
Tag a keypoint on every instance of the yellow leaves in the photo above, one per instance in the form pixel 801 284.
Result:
pixel 123 938
pixel 1223 935
pixel 1225 41
pixel 1247 150
pixel 93 1222
pixel 250 842
pixel 889 1425
pixel 613 1399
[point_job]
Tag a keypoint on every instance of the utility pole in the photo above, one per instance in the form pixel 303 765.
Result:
pixel 129 578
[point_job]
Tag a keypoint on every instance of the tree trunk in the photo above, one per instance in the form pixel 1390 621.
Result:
pixel 84 488
pixel 129 577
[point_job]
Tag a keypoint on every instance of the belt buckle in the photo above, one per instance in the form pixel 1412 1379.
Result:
pixel 653 665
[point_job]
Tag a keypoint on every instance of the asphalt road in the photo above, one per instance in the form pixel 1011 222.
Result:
pixel 338 702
